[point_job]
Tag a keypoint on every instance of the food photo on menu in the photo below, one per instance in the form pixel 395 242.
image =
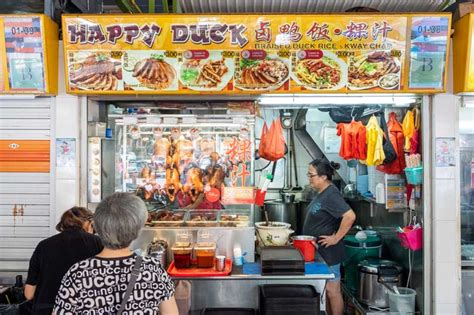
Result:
pixel 323 72
pixel 94 71
pixel 149 71
pixel 377 69
pixel 268 73
pixel 211 72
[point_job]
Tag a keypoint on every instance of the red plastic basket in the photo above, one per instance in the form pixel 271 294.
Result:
pixel 411 238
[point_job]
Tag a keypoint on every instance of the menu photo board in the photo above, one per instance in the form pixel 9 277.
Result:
pixel 247 54
pixel 28 63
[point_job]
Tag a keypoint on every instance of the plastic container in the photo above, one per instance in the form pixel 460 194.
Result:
pixel 202 218
pixel 234 218
pixel 411 238
pixel 380 193
pixel 182 254
pixel 307 246
pixel 414 175
pixel 403 303
pixel 261 192
pixel 168 218
pixel 205 253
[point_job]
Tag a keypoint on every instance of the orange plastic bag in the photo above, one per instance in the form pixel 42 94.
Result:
pixel 263 139
pixel 274 146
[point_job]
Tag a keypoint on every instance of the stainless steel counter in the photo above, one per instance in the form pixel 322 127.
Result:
pixel 241 290
pixel 237 274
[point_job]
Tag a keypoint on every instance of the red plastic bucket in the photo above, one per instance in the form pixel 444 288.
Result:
pixel 307 246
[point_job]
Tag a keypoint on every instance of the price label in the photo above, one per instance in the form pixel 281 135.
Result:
pixel 153 120
pixel 130 120
pixel 256 54
pixel 429 36
pixel 26 71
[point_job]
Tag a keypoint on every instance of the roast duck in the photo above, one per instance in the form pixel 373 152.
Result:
pixel 161 149
pixel 216 172
pixel 155 73
pixel 150 186
pixel 194 185
pixel 96 73
pixel 184 149
pixel 176 155
pixel 173 182
pixel 207 146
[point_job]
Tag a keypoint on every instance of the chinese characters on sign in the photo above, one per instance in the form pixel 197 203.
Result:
pixel 243 54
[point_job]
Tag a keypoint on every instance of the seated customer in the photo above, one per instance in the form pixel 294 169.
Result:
pixel 55 255
pixel 97 285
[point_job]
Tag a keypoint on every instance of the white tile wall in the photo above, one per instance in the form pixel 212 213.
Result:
pixel 447 309
pixel 66 196
pixel 448 277
pixel 67 125
pixel 446 119
pixel 445 200
pixel 445 211
pixel 445 235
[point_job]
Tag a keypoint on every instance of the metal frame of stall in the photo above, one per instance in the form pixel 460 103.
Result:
pixel 236 282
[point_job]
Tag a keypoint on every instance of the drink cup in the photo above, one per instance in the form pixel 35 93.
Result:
pixel 220 262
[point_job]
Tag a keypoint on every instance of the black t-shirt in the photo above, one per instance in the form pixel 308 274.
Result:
pixel 324 218
pixel 97 285
pixel 51 260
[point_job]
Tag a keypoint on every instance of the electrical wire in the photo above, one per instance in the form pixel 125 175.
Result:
pixel 410 266
pixel 261 169
pixel 379 309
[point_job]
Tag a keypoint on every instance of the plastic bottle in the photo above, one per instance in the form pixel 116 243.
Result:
pixel 238 259
pixel 266 183
pixel 380 193
pixel 261 192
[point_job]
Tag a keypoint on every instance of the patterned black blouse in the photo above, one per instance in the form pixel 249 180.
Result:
pixel 96 286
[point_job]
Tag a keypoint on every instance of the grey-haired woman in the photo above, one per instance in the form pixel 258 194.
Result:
pixel 98 285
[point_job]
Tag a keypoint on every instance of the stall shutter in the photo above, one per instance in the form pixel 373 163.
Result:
pixel 25 203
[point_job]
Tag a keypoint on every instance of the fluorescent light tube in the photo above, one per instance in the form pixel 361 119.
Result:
pixel 336 100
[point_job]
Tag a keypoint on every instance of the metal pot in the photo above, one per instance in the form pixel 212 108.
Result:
pixel 159 250
pixel 287 197
pixel 301 214
pixel 280 211
pixel 377 277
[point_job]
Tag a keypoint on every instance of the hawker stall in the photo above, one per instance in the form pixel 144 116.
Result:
pixel 212 121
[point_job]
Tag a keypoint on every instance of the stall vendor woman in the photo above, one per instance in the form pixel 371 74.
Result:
pixel 329 219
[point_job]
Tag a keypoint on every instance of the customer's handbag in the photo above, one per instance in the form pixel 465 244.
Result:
pixel 131 284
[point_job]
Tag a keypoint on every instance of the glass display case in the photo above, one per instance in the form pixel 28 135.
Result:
pixel 180 163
